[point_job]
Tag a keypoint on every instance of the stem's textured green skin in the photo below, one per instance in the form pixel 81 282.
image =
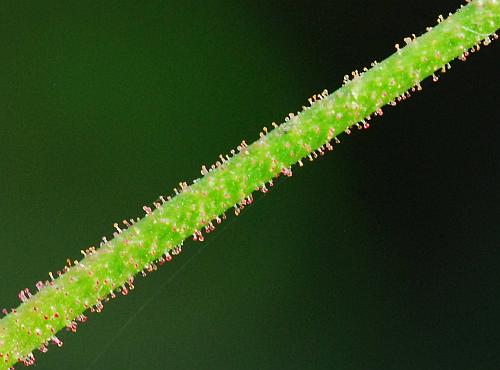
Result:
pixel 111 268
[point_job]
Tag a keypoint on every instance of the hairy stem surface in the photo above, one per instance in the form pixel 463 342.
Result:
pixel 138 246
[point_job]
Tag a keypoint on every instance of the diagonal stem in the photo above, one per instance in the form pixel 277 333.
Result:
pixel 137 247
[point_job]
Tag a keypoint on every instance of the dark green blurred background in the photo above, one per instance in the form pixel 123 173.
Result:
pixel 382 255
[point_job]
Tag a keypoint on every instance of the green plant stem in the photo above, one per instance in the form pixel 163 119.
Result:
pixel 62 301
